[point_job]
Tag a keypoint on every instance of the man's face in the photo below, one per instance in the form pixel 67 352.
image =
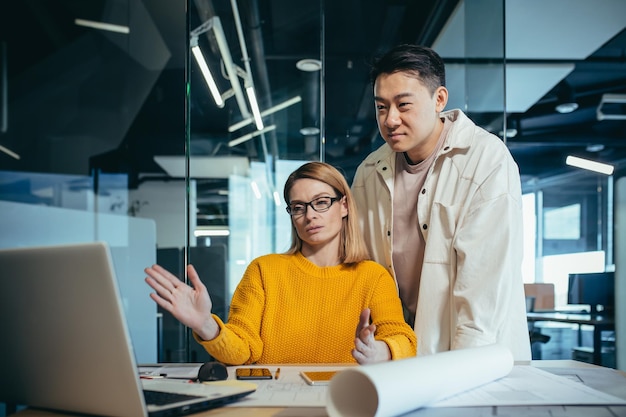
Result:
pixel 408 114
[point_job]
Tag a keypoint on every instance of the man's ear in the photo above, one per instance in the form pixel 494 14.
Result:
pixel 441 95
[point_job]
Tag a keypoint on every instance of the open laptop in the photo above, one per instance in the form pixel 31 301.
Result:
pixel 66 344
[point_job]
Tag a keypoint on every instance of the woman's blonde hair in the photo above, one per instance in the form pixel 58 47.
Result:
pixel 352 248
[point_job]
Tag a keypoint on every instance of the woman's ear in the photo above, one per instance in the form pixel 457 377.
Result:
pixel 344 206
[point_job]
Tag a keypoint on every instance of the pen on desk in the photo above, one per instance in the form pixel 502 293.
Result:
pixel 152 376
pixel 277 373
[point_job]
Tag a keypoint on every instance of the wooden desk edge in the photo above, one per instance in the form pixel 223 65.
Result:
pixel 312 411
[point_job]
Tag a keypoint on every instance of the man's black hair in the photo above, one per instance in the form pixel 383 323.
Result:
pixel 420 61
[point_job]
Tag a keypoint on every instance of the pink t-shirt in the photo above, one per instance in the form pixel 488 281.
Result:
pixel 408 241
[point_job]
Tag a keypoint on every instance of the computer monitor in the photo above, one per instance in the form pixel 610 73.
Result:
pixel 596 290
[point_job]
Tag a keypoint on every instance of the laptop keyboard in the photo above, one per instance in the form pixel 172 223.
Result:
pixel 164 398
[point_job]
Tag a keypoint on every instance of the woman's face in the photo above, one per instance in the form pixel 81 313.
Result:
pixel 315 228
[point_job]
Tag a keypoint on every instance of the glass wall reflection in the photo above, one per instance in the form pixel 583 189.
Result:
pixel 91 91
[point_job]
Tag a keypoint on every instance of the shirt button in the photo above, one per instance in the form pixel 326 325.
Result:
pixel 388 232
pixel 423 190
pixel 425 226
pixel 384 168
pixel 446 148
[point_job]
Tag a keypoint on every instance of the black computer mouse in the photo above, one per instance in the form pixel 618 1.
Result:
pixel 212 371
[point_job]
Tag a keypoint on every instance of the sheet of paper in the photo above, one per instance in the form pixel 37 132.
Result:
pixel 527 385
pixel 608 380
pixel 482 376
pixel 289 390
pixel 396 387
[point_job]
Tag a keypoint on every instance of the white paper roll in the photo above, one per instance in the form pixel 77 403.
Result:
pixel 397 387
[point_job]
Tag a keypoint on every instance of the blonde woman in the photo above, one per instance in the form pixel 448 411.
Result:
pixel 322 301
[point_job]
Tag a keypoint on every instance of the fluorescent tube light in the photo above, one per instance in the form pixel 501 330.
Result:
pixel 249 136
pixel 102 26
pixel 229 66
pixel 255 190
pixel 611 107
pixel 9 152
pixel 255 108
pixel 589 165
pixel 215 25
pixel 206 232
pixel 276 198
pixel 208 77
pixel 264 113
pixel 204 166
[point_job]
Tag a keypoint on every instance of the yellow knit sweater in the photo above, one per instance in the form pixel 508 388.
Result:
pixel 288 310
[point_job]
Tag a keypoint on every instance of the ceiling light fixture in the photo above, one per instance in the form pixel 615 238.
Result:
pixel 264 113
pixel 612 107
pixel 589 165
pixel 510 133
pixel 276 198
pixel 310 96
pixel 102 26
pixel 249 136
pixel 255 190
pixel 254 105
pixel 595 147
pixel 309 65
pixel 206 73
pixel 566 98
pixel 233 72
pixel 511 129
pixel 564 108
pixel 9 152
pixel 208 231
pixel 178 166
pixel 310 131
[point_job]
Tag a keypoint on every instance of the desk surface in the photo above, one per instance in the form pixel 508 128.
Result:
pixel 579 318
pixel 567 367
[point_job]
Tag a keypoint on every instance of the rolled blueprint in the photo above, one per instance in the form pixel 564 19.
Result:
pixel 397 387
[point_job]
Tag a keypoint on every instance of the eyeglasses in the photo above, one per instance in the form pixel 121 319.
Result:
pixel 320 205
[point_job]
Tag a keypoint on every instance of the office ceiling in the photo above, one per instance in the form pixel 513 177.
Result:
pixel 119 99
pixel 550 45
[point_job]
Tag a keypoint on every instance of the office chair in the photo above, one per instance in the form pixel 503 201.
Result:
pixel 535 335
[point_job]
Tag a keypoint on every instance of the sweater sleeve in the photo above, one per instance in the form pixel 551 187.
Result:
pixel 386 314
pixel 239 341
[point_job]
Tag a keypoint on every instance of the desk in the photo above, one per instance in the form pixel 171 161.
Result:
pixel 600 323
pixel 605 379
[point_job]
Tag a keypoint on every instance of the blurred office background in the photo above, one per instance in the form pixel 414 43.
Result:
pixel 109 131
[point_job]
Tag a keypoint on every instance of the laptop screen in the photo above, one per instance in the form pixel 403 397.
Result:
pixel 67 342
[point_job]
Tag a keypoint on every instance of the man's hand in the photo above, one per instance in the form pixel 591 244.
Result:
pixel 366 348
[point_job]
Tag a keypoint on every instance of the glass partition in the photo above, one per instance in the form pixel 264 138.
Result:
pixel 110 132
pixel 81 85
pixel 254 116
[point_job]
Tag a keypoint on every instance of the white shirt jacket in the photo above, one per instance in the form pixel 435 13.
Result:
pixel 470 209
